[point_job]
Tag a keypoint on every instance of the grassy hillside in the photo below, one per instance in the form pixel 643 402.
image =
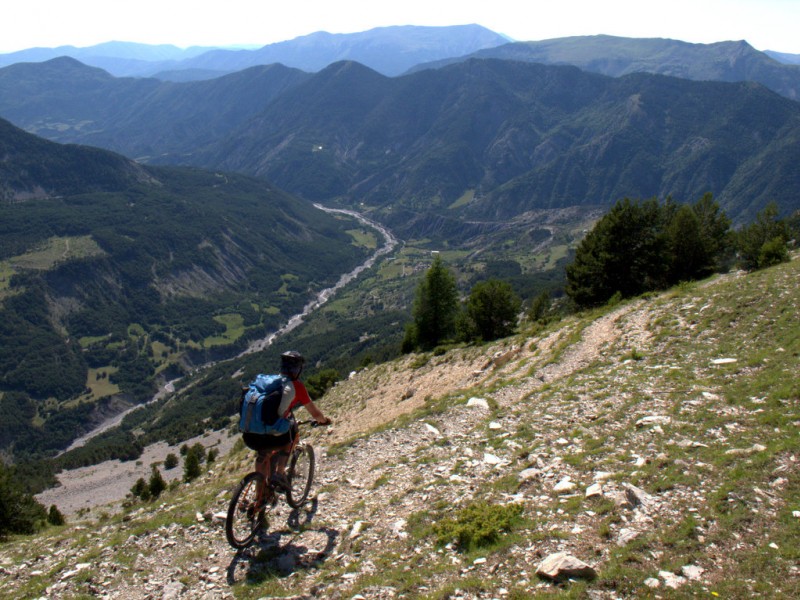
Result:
pixel 655 440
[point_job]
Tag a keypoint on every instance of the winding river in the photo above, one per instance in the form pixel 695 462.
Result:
pixel 389 244
pixel 322 297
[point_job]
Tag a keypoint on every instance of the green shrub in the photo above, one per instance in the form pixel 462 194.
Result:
pixel 478 525
pixel 763 243
pixel 54 516
pixel 140 489
pixel 773 252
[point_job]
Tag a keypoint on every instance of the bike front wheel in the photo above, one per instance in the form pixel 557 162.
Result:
pixel 301 475
pixel 247 510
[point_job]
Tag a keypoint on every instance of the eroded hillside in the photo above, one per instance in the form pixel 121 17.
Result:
pixel 655 441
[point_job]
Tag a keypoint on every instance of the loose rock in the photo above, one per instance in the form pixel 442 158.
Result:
pixel 560 566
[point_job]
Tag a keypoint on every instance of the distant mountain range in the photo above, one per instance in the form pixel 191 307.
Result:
pixel 395 50
pixel 784 57
pixel 617 56
pixel 481 139
pixel 388 50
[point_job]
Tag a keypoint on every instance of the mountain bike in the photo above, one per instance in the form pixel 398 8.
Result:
pixel 254 497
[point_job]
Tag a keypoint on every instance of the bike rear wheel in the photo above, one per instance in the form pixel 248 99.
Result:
pixel 301 475
pixel 246 511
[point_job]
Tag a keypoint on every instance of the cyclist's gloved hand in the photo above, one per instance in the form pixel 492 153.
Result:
pixel 327 421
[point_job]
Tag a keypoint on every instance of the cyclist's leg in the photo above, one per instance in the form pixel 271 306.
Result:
pixel 262 466
pixel 263 462
pixel 279 460
pixel 281 456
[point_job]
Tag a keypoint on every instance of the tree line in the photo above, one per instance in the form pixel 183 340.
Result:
pixel 638 246
pixel 489 312
pixel 644 246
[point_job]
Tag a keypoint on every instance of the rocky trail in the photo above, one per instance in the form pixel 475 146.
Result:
pixel 611 440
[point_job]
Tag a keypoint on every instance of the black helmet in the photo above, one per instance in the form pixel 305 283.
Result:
pixel 292 364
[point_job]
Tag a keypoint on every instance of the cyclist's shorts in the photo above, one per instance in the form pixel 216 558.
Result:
pixel 256 441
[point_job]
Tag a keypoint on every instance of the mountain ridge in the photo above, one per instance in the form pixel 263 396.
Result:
pixel 520 135
pixel 513 136
pixel 616 56
pixel 390 50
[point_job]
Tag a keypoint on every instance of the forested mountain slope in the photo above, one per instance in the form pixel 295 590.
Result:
pixel 438 150
pixel 30 168
pixel 66 101
pixel 489 139
pixel 114 276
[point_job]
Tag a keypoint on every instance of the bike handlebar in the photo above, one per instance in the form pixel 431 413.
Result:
pixel 314 423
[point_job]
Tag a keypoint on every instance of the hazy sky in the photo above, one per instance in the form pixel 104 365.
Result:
pixel 765 24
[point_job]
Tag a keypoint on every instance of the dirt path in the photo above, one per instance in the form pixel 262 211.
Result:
pixel 382 396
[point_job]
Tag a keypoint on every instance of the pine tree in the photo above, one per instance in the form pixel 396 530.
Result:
pixel 715 231
pixel 435 306
pixel 191 465
pixel 688 258
pixel 624 252
pixel 763 243
pixel 540 307
pixel 157 483
pixel 493 307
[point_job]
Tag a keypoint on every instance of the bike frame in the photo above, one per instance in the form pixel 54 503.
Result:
pixel 264 459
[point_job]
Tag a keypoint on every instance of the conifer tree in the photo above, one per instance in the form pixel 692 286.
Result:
pixel 715 231
pixel 539 307
pixel 156 483
pixel 688 259
pixel 492 309
pixel 191 465
pixel 435 306
pixel 624 253
pixel 763 242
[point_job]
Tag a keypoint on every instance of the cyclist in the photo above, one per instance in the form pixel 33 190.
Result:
pixel 276 447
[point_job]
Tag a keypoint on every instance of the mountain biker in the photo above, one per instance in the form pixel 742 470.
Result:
pixel 276 447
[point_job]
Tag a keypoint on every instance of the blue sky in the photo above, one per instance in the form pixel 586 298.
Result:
pixel 765 24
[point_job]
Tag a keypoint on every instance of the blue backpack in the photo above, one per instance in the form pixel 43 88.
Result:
pixel 258 412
